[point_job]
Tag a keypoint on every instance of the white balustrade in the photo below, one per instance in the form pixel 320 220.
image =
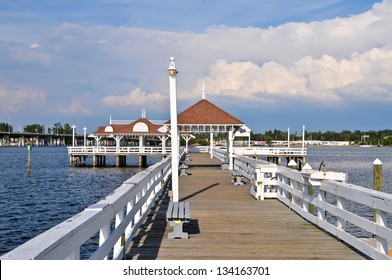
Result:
pixel 115 219
pixel 272 151
pixel 112 150
pixel 292 188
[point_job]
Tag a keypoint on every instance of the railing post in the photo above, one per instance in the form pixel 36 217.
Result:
pixel 120 243
pixel 382 220
pixel 259 183
pixel 305 205
pixel 104 235
pixel 129 227
pixel 341 204
pixel 321 195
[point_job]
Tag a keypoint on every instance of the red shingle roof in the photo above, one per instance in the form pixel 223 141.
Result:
pixel 133 128
pixel 204 112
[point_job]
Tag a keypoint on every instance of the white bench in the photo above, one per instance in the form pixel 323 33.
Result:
pixel 236 178
pixel 177 214
pixel 183 168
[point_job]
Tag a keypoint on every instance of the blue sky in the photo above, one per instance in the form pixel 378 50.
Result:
pixel 273 64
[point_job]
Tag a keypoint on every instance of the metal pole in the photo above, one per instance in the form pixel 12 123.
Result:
pixel 288 137
pixel 211 144
pixel 303 137
pixel 174 128
pixel 85 137
pixel 73 135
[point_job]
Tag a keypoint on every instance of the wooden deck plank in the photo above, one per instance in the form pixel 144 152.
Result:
pixel 228 223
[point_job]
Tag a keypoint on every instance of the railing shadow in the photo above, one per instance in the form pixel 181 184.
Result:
pixel 146 243
pixel 199 192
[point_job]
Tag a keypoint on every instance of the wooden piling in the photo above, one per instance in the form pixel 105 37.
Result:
pixel 142 161
pixel 28 159
pixel 377 175
pixel 377 182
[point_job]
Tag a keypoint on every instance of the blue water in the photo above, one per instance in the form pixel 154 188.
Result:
pixel 357 162
pixel 53 191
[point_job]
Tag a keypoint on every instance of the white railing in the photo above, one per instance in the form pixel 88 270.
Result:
pixel 220 154
pixel 270 151
pixel 113 150
pixel 322 198
pixel 246 166
pixel 115 219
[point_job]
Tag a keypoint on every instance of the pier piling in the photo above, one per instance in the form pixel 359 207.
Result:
pixel 377 183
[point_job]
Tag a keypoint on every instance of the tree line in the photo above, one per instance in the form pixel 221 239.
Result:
pixel 356 137
pixel 57 128
pixel 372 137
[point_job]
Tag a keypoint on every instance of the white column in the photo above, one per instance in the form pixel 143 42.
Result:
pixel 163 138
pixel 84 136
pixel 211 144
pixel 97 139
pixel 231 150
pixel 187 138
pixel 288 137
pixel 141 143
pixel 303 137
pixel 73 135
pixel 174 128
pixel 118 142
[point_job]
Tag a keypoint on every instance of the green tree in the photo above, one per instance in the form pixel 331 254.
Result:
pixel 58 128
pixel 67 129
pixel 6 127
pixel 34 128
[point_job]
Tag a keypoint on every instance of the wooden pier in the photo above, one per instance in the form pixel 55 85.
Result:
pixel 228 223
pixel 78 154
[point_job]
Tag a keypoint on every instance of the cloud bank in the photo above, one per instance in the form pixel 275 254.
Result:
pixel 99 67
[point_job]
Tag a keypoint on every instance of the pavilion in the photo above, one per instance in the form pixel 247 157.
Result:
pixel 141 132
pixel 201 117
pixel 205 117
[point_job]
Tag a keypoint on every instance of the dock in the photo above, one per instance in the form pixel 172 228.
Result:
pixel 228 223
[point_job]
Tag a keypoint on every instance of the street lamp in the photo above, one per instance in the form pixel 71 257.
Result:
pixel 84 134
pixel 173 128
pixel 73 134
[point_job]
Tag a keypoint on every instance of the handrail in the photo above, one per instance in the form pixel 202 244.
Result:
pixel 220 154
pixel 306 193
pixel 273 151
pixel 92 150
pixel 115 218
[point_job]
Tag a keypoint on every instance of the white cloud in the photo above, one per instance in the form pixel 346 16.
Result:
pixel 137 99
pixel 16 100
pixel 31 54
pixel 77 107
pixel 324 79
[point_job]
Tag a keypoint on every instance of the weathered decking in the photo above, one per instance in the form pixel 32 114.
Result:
pixel 228 223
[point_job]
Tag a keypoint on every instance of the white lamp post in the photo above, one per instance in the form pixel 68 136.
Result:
pixel 288 137
pixel 73 134
pixel 174 128
pixel 84 134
